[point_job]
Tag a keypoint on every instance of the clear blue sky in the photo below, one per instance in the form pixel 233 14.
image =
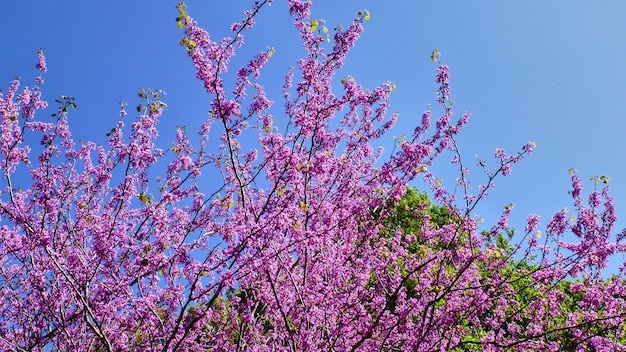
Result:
pixel 552 72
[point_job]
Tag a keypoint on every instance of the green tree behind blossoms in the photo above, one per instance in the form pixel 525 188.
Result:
pixel 408 217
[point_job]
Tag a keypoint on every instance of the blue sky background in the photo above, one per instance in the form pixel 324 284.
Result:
pixel 548 71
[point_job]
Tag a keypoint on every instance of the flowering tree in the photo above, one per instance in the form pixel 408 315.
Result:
pixel 300 245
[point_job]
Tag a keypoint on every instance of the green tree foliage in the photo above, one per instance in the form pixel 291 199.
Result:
pixel 409 216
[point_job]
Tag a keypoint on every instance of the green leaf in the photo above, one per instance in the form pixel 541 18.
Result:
pixel 364 14
pixel 434 56
pixel 143 198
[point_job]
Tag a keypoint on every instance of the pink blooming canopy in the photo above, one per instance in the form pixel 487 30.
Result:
pixel 291 248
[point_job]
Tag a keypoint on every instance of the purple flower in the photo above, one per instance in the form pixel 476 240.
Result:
pixel 532 222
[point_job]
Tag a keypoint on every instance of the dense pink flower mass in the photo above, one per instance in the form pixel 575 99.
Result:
pixel 310 241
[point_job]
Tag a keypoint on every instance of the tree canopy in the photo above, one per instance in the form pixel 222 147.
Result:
pixel 309 238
